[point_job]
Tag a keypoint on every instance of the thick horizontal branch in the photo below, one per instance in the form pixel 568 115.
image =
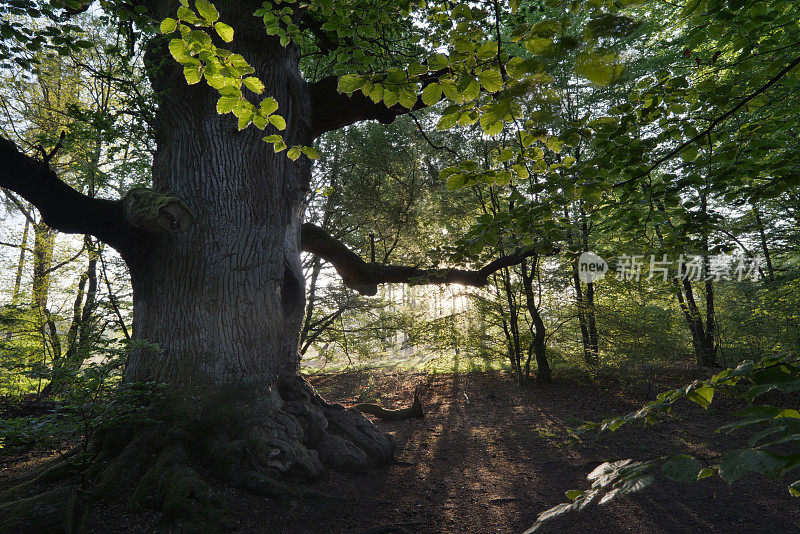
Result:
pixel 364 277
pixel 64 209
pixel 331 110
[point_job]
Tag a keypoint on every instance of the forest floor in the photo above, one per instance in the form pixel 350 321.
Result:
pixel 489 456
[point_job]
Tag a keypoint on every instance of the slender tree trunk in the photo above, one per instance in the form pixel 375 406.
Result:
pixel 512 330
pixel 705 346
pixel 20 265
pixel 585 303
pixel 44 241
pixel 305 333
pixel 80 333
pixel 696 344
pixel 18 277
pixel 764 247
pixel 539 333
pixel 591 326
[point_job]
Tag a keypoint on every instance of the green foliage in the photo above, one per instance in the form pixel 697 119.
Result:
pixel 225 71
pixel 771 427
pixel 94 401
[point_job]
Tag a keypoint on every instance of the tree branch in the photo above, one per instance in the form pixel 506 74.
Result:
pixel 364 277
pixel 714 123
pixel 64 209
pixel 331 110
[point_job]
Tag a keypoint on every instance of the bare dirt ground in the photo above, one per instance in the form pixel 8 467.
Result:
pixel 489 456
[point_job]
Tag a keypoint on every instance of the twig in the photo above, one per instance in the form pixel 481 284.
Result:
pixel 713 124
pixel 20 206
pixel 65 262
pixel 437 147
pixel 113 299
pixel 56 148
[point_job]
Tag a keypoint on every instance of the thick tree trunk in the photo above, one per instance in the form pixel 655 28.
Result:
pixel 224 300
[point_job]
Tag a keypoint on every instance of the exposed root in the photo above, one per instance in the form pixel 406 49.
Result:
pixel 410 412
pixel 26 484
pixel 55 512
pixel 266 442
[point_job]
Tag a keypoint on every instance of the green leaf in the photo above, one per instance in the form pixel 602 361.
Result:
pixel 491 80
pixel 260 121
pixel 682 469
pixel 702 395
pixel 245 120
pixel 469 88
pixel 178 50
pixel 254 84
pixel 207 10
pixel 187 15
pixel 689 153
pixel 226 104
pixel 538 45
pixel 491 124
pixel 224 31
pixel 689 8
pixel 432 94
pixel 705 473
pixel 278 122
pixel 438 61
pixel 269 106
pixel 376 93
pixel 293 153
pixel 168 26
pixel 600 69
pixel 731 467
pixel 554 143
pixel 350 83
pixel 456 181
pixel 487 51
pixel 461 11
pixel 311 152
pixel 573 494
pixel 192 75
pixel 407 96
pixel 279 145
pixel 765 462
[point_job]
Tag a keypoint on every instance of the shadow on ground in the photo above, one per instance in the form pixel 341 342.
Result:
pixel 489 456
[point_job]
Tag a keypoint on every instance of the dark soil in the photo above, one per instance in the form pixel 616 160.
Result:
pixel 489 456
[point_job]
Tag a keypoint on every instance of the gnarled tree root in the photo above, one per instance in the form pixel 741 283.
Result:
pixel 58 511
pixel 410 412
pixel 265 441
